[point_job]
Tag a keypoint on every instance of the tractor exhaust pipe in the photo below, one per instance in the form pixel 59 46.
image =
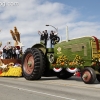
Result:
pixel 67 38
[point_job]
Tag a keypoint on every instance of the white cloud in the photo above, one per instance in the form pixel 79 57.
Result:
pixel 32 15
pixel 81 28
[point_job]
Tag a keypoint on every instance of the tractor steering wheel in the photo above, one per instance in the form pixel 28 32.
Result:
pixel 55 40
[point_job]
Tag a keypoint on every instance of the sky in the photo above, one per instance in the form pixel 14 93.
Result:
pixel 81 16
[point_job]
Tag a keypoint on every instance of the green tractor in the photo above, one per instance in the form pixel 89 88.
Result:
pixel 64 60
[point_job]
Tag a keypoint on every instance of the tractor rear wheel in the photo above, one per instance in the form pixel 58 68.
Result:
pixel 63 74
pixel 98 77
pixel 88 75
pixel 33 64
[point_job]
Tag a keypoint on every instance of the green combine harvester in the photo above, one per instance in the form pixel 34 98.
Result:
pixel 64 60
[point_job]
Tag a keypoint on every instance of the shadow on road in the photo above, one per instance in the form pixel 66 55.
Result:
pixel 73 78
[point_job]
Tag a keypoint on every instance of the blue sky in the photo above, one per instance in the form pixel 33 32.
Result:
pixel 81 16
pixel 85 7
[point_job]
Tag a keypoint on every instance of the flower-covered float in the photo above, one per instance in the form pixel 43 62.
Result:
pixel 10 56
pixel 11 69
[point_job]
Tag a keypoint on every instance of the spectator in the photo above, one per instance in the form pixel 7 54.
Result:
pixel 20 53
pixel 17 53
pixel 13 53
pixel 4 53
pixel 1 54
pixel 9 52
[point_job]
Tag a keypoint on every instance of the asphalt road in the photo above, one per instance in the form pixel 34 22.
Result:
pixel 52 88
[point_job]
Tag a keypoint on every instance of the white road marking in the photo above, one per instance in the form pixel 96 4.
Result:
pixel 62 83
pixel 37 92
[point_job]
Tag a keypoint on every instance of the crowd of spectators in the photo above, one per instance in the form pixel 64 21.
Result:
pixel 11 52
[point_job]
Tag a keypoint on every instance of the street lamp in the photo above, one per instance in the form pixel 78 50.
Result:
pixel 53 27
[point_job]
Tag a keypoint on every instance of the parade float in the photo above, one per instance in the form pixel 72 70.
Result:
pixel 66 58
pixel 9 65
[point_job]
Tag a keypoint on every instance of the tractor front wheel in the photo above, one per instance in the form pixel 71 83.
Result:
pixel 33 64
pixel 88 75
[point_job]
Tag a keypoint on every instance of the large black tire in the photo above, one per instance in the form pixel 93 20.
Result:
pixel 64 74
pixel 88 75
pixel 98 77
pixel 33 64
